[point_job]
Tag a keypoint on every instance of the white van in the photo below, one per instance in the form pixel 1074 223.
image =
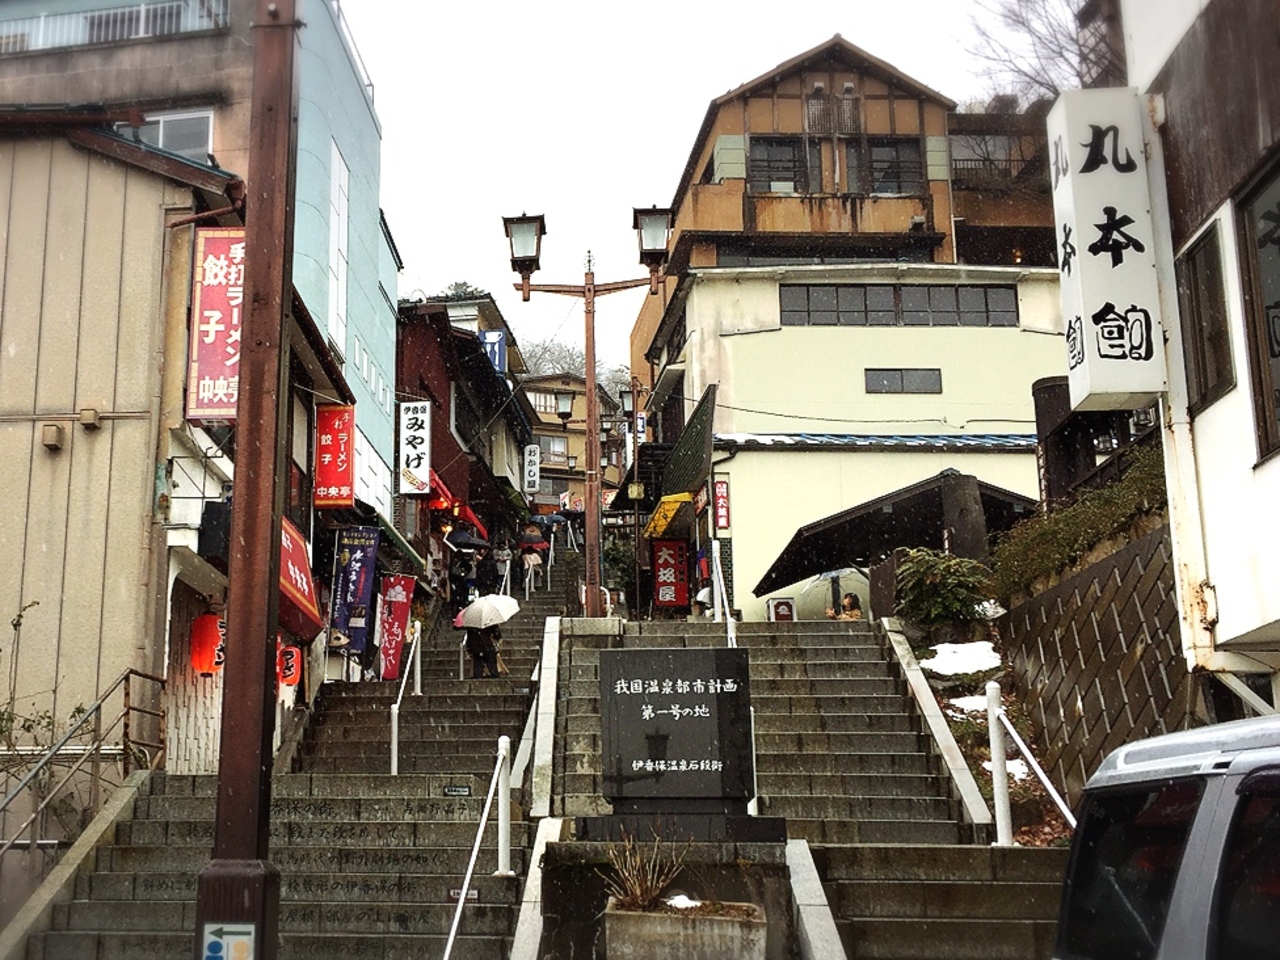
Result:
pixel 1177 852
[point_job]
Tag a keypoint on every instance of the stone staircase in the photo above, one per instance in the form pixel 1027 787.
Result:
pixel 843 755
pixel 370 863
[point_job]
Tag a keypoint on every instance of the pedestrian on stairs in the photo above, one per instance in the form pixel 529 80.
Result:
pixel 482 647
pixel 850 609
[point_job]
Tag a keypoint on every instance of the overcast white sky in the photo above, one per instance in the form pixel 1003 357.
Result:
pixel 581 110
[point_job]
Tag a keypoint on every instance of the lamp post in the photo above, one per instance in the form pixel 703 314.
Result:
pixel 525 234
pixel 635 490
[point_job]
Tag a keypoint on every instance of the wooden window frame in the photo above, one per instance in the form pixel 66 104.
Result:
pixel 1257 334
pixel 1201 273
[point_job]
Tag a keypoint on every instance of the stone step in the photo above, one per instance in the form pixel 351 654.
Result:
pixel 345 860
pixel 855 745
pixel 983 864
pixel 478 696
pixel 769 703
pixel 304 809
pixel 890 733
pixel 888 769
pixel 377 741
pixel 862 653
pixel 480 768
pixel 293 946
pixel 948 939
pixel 762 672
pixel 378 784
pixel 824 831
pixel 413 728
pixel 361 834
pixel 306 887
pixel 861 809
pixel 777 731
pixel 295 916
pixel 972 900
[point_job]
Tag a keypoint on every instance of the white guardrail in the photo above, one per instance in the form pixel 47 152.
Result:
pixel 998 724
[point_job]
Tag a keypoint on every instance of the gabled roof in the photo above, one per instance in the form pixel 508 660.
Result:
pixel 836 47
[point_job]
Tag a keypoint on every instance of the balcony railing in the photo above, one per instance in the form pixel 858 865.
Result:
pixel 112 24
pixel 991 171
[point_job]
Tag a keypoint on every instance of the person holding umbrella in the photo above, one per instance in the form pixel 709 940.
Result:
pixel 481 620
pixel 482 647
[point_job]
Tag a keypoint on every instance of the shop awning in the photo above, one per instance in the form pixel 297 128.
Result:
pixel 466 513
pixel 299 613
pixel 441 498
pixel 915 516
pixel 665 514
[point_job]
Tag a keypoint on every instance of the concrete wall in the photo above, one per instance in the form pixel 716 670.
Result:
pixel 1152 28
pixel 774 492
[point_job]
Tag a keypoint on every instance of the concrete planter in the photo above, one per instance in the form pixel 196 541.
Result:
pixel 668 936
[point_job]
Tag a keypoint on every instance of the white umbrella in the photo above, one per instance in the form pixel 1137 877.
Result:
pixel 488 610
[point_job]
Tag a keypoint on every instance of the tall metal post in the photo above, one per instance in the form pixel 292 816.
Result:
pixel 633 608
pixel 239 890
pixel 592 494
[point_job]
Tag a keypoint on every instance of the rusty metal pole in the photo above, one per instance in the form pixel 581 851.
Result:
pixel 240 888
pixel 592 494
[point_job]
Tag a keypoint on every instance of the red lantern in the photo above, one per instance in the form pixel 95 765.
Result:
pixel 208 644
pixel 288 665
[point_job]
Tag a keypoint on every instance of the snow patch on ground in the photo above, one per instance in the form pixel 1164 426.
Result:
pixel 975 704
pixel 950 659
pixel 1018 769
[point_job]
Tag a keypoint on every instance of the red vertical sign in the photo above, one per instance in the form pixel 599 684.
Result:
pixel 670 573
pixel 217 294
pixel 397 597
pixel 721 500
pixel 335 456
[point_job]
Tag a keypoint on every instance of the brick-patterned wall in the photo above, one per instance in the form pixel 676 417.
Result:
pixel 1097 660
pixel 193 704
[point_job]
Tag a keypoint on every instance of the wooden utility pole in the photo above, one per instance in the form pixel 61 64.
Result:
pixel 238 895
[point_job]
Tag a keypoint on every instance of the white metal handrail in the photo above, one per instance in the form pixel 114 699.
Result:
pixel 415 655
pixel 720 597
pixel 501 783
pixel 997 718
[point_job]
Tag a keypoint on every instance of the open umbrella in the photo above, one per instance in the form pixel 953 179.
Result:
pixel 461 540
pixel 490 609
pixel 536 540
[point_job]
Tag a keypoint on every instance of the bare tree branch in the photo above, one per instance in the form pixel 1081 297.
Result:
pixel 1029 47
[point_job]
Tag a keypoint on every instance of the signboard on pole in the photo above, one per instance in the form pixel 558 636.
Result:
pixel 217 294
pixel 532 468
pixel 354 556
pixel 414 456
pixel 1106 250
pixel 721 502
pixel 335 460
pixel 393 621
pixel 495 348
pixel 670 573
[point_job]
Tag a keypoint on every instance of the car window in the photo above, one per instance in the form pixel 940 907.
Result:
pixel 1128 847
pixel 1247 911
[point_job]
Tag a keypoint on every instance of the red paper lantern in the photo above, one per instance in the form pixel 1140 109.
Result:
pixel 208 644
pixel 288 665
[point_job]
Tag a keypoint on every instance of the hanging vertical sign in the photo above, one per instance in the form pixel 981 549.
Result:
pixel 495 348
pixel 217 294
pixel 670 573
pixel 532 468
pixel 1106 250
pixel 335 463
pixel 299 612
pixel 721 501
pixel 354 556
pixel 414 456
pixel 393 622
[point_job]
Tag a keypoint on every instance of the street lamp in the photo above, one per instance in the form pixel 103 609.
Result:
pixel 525 236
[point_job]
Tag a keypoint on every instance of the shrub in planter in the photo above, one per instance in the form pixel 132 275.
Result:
pixel 937 588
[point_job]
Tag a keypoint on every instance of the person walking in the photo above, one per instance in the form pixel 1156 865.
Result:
pixel 850 609
pixel 487 574
pixel 482 647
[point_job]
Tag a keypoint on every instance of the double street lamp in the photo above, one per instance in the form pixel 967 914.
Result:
pixel 525 233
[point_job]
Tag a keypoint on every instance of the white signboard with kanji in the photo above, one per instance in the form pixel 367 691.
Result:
pixel 414 456
pixel 1106 250
pixel 532 468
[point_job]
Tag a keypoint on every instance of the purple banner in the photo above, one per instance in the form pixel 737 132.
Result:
pixel 353 579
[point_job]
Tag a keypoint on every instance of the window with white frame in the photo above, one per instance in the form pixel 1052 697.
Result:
pixel 188 134
pixel 339 204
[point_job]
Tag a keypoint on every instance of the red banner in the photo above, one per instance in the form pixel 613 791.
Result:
pixel 393 622
pixel 217 294
pixel 722 504
pixel 670 573
pixel 335 456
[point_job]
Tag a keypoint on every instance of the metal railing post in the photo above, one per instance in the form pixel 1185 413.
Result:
pixel 504 808
pixel 417 658
pixel 395 739
pixel 999 769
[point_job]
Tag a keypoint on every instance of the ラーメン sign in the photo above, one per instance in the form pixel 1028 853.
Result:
pixel 217 295
pixel 1106 250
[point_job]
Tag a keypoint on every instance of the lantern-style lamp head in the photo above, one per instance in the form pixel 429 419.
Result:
pixel 525 234
pixel 573 462
pixel 208 644
pixel 564 406
pixel 653 226
pixel 628 402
